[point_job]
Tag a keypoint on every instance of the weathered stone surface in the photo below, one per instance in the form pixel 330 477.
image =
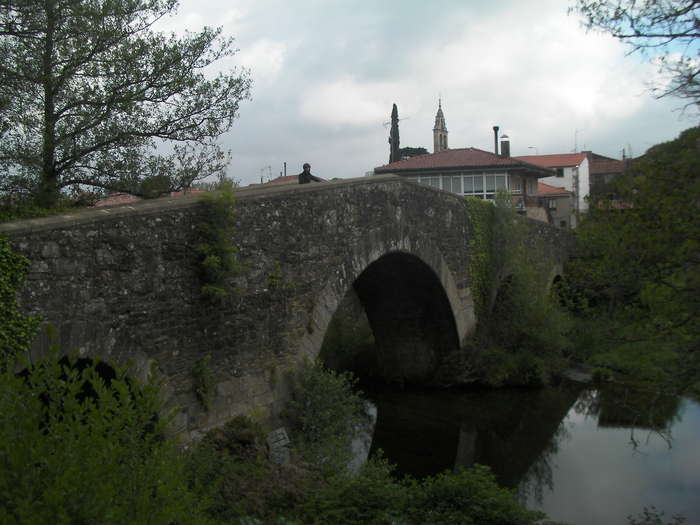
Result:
pixel 122 283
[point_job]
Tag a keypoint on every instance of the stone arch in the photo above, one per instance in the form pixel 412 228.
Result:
pixel 556 273
pixel 368 252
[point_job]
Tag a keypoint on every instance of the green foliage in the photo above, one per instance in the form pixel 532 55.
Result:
pixel 248 489
pixel 28 210
pixel 466 496
pixel 374 497
pixel 482 267
pixel 16 329
pixel 667 32
pixel 67 457
pixel 637 276
pixel 322 414
pixel 90 91
pixel 229 468
pixel 412 152
pixel 218 259
pixel 155 186
pixel 522 331
pixel 652 516
pixel 204 381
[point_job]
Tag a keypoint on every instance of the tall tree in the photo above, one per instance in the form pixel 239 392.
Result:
pixel 639 263
pixel 667 29
pixel 394 154
pixel 93 94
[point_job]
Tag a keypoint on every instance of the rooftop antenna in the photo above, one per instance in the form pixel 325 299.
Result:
pixel 388 122
pixel 576 132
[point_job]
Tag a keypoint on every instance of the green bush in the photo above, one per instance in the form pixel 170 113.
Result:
pixel 467 497
pixel 71 457
pixel 230 469
pixel 322 414
pixel 373 497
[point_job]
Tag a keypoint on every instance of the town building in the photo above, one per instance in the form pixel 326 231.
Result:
pixel 471 171
pixel 557 203
pixel 579 173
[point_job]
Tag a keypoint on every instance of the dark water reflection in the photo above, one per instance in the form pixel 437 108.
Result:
pixel 582 456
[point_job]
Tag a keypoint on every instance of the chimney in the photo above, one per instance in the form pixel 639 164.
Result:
pixel 505 146
pixel 495 140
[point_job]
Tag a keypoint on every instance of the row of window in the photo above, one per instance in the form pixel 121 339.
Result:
pixel 483 186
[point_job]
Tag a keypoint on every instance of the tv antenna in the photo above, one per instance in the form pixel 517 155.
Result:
pixel 388 122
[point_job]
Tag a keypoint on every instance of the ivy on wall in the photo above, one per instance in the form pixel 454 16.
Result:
pixel 16 329
pixel 204 386
pixel 522 332
pixel 218 257
pixel 482 267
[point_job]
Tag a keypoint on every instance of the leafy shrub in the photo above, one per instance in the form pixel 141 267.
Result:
pixel 229 468
pixel 466 497
pixel 322 414
pixel 68 458
pixel 373 497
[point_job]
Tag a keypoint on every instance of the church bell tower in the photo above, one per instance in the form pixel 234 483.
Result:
pixel 440 130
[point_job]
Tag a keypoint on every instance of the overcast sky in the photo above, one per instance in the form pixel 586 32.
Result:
pixel 326 73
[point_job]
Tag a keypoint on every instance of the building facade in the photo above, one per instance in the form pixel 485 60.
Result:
pixel 470 172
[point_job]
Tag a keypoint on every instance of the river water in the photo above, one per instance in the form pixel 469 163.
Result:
pixel 582 456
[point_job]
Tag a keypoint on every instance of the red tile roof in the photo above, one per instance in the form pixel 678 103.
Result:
pixel 554 161
pixel 545 189
pixel 284 180
pixel 457 158
pixel 607 166
pixel 116 198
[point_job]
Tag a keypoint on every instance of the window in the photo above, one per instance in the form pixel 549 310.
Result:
pixel 501 183
pixel 552 204
pixel 484 186
pixel 468 185
pixel 516 184
pixel 430 181
pixel 562 224
pixel 531 187
pixel 446 183
pixel 490 183
pixel 560 172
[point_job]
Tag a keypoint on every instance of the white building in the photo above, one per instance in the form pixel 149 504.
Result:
pixel 572 173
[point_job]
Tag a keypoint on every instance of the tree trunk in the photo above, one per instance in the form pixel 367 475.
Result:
pixel 48 190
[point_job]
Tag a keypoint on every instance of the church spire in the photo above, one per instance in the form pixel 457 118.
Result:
pixel 440 130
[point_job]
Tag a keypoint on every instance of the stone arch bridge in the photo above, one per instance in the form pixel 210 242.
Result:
pixel 122 283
